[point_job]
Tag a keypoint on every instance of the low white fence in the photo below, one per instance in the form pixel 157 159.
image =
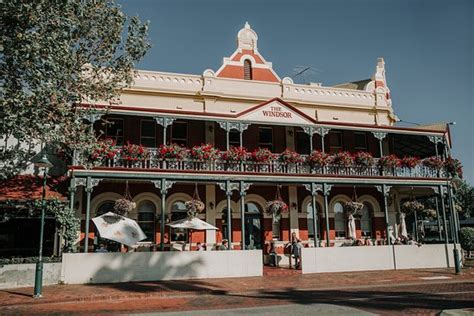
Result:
pixel 78 268
pixel 23 275
pixel 342 259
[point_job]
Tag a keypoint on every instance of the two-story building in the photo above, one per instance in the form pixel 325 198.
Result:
pixel 245 103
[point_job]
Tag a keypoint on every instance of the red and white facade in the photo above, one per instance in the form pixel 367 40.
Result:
pixel 246 103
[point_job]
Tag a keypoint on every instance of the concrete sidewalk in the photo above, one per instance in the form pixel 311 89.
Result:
pixel 179 289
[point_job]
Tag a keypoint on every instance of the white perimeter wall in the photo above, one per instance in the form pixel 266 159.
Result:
pixel 81 268
pixel 340 259
pixel 23 275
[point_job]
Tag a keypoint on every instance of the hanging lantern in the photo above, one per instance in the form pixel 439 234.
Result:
pixel 276 207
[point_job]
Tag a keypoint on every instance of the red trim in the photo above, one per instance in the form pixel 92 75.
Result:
pixel 134 108
pixel 250 173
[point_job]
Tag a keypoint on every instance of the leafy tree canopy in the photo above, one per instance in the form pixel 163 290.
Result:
pixel 55 55
pixel 464 197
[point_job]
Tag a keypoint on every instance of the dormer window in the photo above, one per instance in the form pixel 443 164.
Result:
pixel 247 70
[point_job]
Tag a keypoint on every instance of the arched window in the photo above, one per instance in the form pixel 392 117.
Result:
pixel 366 220
pixel 146 219
pixel 253 226
pixel 252 208
pixel 225 226
pixel 339 220
pixel 178 211
pixel 105 207
pixel 309 211
pixel 247 70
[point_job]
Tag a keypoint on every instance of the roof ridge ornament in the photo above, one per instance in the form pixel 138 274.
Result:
pixel 247 38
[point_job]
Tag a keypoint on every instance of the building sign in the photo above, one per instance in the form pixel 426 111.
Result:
pixel 275 112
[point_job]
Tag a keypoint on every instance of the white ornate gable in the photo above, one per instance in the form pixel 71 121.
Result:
pixel 275 111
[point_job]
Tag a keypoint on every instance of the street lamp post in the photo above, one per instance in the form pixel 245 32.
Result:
pixel 45 164
pixel 454 182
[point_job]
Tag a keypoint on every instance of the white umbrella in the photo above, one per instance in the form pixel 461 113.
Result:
pixel 119 228
pixel 403 226
pixel 192 223
pixel 351 226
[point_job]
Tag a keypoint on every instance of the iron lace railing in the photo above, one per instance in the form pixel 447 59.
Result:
pixel 272 167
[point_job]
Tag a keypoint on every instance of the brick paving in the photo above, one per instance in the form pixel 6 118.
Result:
pixel 383 292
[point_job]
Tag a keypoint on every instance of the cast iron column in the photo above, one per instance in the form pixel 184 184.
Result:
pixel 228 194
pixel 385 189
pixel 457 265
pixel 90 184
pixel 326 191
pixel 163 185
pixel 39 265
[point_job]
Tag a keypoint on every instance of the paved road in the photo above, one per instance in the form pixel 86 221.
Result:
pixel 423 297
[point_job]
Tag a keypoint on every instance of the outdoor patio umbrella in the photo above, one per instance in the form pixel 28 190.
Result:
pixel 351 226
pixel 403 226
pixel 192 223
pixel 119 228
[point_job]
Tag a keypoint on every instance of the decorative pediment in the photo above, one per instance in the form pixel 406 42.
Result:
pixel 276 111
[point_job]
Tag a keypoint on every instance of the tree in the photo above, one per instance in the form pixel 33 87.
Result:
pixel 464 197
pixel 56 56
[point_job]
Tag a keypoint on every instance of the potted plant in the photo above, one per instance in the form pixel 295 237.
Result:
pixel 364 159
pixel 318 158
pixel 235 154
pixel 204 152
pixel 342 158
pixel 132 152
pixel 172 151
pixel 409 162
pixel 433 162
pixel 102 150
pixel 124 206
pixel 290 156
pixel 390 161
pixel 195 205
pixel 453 167
pixel 263 155
pixel 353 208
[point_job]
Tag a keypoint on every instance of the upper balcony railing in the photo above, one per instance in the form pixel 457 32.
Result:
pixel 220 165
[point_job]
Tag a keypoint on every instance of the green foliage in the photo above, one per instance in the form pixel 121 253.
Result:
pixel 466 238
pixel 56 55
pixel 464 197
pixel 68 224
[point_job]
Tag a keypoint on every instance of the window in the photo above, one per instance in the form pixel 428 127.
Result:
pixel 265 138
pixel 309 211
pixel 335 141
pixel 360 141
pixel 114 130
pixel 339 220
pixel 247 70
pixel 366 220
pixel 148 133
pixel 234 138
pixel 276 230
pixel 225 226
pixel 146 219
pixel 302 142
pixel 178 211
pixel 179 133
pixel 105 207
pixel 252 208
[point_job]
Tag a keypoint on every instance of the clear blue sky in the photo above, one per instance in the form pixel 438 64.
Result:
pixel 428 47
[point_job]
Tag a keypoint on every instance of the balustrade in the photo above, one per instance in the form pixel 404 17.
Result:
pixel 272 167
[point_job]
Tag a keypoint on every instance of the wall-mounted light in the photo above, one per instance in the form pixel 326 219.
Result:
pixel 294 206
pixel 211 205
pixel 290 132
pixel 210 128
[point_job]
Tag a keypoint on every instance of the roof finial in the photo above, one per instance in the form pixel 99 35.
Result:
pixel 247 25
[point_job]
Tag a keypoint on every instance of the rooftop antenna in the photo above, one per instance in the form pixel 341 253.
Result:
pixel 303 71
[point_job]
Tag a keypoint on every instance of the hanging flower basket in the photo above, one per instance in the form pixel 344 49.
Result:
pixel 409 162
pixel 262 155
pixel 343 158
pixel 172 151
pixel 235 154
pixel 205 152
pixel 195 205
pixel 276 207
pixel 433 162
pixel 390 161
pixel 124 206
pixel 353 208
pixel 363 158
pixel 290 156
pixel 412 206
pixel 429 213
pixel 318 158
